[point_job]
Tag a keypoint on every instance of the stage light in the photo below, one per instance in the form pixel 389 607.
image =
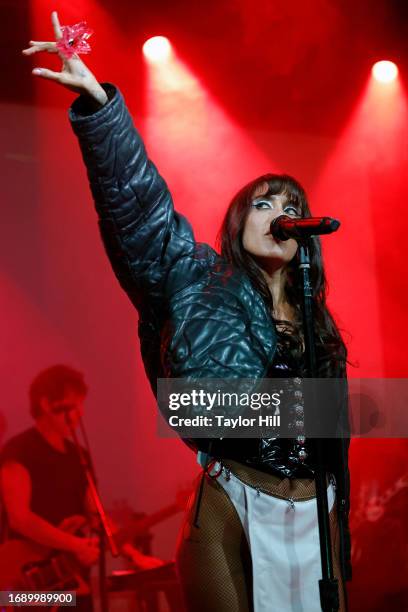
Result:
pixel 157 49
pixel 385 71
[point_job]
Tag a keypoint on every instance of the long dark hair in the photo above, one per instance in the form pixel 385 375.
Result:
pixel 331 351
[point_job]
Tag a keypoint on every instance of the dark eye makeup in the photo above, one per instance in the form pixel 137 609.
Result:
pixel 289 209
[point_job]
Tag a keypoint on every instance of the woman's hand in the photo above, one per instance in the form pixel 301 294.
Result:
pixel 74 75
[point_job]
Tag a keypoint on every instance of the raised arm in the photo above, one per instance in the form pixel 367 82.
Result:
pixel 151 247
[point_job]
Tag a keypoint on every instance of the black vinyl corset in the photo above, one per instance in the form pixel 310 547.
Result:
pixel 286 457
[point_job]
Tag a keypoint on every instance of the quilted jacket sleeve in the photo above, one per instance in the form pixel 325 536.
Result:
pixel 150 246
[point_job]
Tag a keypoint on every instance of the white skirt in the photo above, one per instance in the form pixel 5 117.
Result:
pixel 283 538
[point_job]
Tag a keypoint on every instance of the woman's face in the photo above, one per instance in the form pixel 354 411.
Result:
pixel 257 239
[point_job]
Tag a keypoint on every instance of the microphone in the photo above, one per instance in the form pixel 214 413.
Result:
pixel 285 227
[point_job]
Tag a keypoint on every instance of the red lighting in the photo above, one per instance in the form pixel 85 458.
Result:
pixel 157 49
pixel 385 71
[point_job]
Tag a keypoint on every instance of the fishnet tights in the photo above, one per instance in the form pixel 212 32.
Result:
pixel 214 561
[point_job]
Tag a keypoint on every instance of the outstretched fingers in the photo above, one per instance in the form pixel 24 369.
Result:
pixel 48 74
pixel 74 75
pixel 36 46
pixel 64 78
pixel 56 25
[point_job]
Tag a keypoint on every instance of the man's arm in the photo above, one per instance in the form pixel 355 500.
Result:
pixel 15 485
pixel 139 560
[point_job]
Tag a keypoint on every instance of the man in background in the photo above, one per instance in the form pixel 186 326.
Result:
pixel 43 486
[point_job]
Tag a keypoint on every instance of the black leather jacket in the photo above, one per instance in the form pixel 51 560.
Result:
pixel 198 316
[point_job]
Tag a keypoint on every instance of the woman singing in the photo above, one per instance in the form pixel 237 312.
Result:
pixel 250 537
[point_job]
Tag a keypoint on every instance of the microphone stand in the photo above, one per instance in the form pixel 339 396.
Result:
pixel 104 532
pixel 328 585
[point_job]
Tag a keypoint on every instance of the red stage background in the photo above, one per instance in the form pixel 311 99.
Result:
pixel 251 88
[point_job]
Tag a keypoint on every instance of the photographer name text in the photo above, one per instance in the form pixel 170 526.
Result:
pixel 222 421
